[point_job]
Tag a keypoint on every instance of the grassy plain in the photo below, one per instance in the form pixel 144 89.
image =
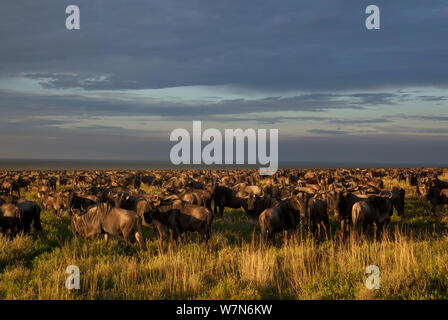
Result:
pixel 412 256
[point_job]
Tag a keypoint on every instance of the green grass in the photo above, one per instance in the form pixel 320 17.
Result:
pixel 412 256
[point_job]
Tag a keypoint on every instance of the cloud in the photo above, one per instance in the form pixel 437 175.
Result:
pixel 433 98
pixel 19 103
pixel 306 45
pixel 359 121
pixel 435 117
pixel 327 132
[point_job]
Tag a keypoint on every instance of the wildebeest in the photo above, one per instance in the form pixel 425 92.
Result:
pixel 10 219
pixel 27 211
pixel 255 205
pixel 55 203
pixel 397 195
pixel 199 197
pixel 374 210
pixel 435 197
pixel 11 187
pixel 105 219
pixel 255 190
pixel 181 217
pixel 318 216
pixel 283 217
pixel 12 224
pixel 81 202
pixel 7 198
pixel 226 197
pixel 344 202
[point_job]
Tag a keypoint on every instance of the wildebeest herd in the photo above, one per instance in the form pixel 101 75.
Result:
pixel 114 203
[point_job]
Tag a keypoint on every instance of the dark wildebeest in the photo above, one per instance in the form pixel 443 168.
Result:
pixel 374 210
pixel 435 197
pixel 30 214
pixel 255 190
pixel 199 197
pixel 181 217
pixel 105 219
pixel 255 205
pixel 143 208
pixel 81 202
pixel 318 216
pixel 283 217
pixel 27 211
pixel 7 198
pixel 13 224
pixel 397 195
pixel 11 187
pixel 226 197
pixel 343 203
pixel 55 203
pixel 425 184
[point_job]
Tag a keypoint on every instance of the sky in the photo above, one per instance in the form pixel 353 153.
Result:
pixel 136 70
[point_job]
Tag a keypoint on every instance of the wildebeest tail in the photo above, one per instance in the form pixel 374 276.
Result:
pixel 139 233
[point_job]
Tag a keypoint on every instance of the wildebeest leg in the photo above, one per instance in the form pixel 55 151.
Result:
pixel 206 236
pixel 159 229
pixel 285 236
pixel 171 237
pixel 326 227
pixel 140 240
pixel 215 211
pixel 26 227
pixel 271 237
pixel 221 212
pixel 433 208
pixel 314 229
pixel 178 237
pixel 319 230
pixel 127 241
pixel 175 235
pixel 139 236
pixel 208 205
pixel 375 230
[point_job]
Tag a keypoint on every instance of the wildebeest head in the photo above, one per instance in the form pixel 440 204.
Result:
pixel 253 201
pixel 424 188
pixel 384 205
pixel 151 208
pixel 75 221
pixel 301 203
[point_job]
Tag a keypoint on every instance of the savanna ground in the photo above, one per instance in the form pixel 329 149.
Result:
pixel 412 256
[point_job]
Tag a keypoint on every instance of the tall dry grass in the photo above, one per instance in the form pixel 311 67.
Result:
pixel 411 268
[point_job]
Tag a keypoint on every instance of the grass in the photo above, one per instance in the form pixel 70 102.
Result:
pixel 412 256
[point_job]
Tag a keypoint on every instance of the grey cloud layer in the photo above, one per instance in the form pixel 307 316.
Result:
pixel 266 45
pixel 18 103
